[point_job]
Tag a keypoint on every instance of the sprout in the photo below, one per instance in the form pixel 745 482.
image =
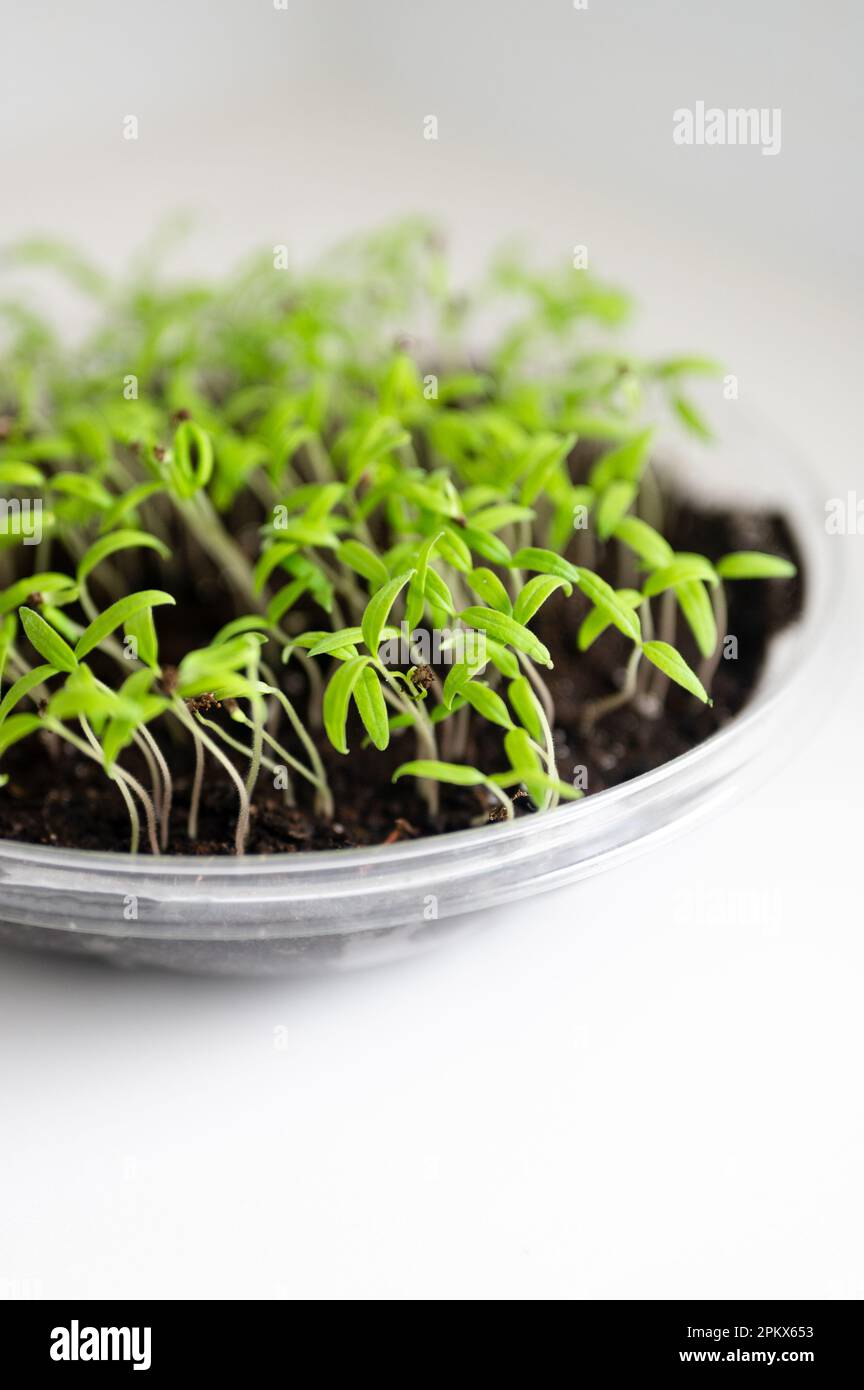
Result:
pixel 267 436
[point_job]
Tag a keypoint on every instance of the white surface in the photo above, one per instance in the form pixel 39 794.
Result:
pixel 605 1092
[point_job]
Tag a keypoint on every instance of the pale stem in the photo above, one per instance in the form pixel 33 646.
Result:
pixel 708 669
pixel 668 614
pixel 646 618
pixel 540 686
pixel 206 526
pixel 242 829
pixel 247 752
pixel 552 796
pixel 324 797
pixel 502 797
pixel 122 780
pixel 197 784
pixel 167 784
pixel 426 744
pixel 597 708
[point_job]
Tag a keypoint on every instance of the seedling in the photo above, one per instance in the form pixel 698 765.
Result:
pixel 346 498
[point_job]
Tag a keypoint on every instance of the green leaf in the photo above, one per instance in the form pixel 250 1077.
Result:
pixel 344 640
pixel 117 540
pixel 438 593
pixel 489 588
pixel 48 643
pixel 373 711
pixel 680 366
pixel 20 474
pixel 455 774
pixel 455 551
pixel 753 564
pixel 611 506
pixel 191 462
pixel 363 561
pixel 117 736
pixel 531 557
pixel 251 622
pixel 535 593
pixel 527 707
pixel 337 698
pixel 692 419
pixel 23 686
pixel 519 749
pixel 604 597
pixel 44 583
pixel 119 613
pixel 673 665
pixel 83 488
pixel 696 607
pixel 142 629
pixel 80 695
pixel 285 599
pixel 502 514
pixel 460 672
pixel 545 455
pixel 202 669
pixel 644 541
pixel 486 544
pixel 8 628
pixel 378 610
pixel 682 569
pixel 417 587
pixel 129 502
pixel 596 622
pixel 623 464
pixel 487 704
pixel 424 495
pixel 507 631
pixel 17 727
pixel 502 658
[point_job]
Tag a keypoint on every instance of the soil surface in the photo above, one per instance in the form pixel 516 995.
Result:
pixel 56 797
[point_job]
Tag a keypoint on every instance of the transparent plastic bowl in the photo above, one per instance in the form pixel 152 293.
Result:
pixel 282 913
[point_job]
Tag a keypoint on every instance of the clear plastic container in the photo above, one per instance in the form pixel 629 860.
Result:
pixel 280 913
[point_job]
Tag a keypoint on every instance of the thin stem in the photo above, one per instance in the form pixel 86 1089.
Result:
pixel 502 797
pixel 155 780
pixel 258 720
pixel 708 669
pixel 197 784
pixel 668 615
pixel 242 830
pixel 239 747
pixel 204 523
pixel 539 685
pixel 552 796
pixel 168 785
pixel 595 709
pixel 324 797
pixel 646 618
pixel 122 779
pixel 426 744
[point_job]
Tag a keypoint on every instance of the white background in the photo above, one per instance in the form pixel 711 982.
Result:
pixel 589 1095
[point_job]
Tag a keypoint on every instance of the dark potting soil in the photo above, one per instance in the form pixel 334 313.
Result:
pixel 56 797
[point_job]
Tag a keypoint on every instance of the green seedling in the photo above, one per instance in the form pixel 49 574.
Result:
pixel 273 438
